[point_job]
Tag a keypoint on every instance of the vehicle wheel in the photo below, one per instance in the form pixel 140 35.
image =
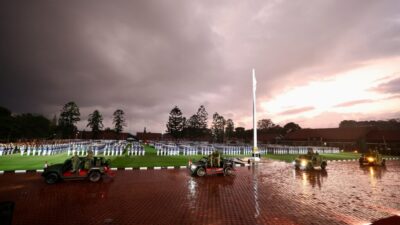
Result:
pixel 94 176
pixel 309 166
pixel 323 165
pixel 227 171
pixel 201 172
pixel 51 178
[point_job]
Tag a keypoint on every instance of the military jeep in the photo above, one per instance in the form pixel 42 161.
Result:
pixel 63 171
pixel 372 158
pixel 214 164
pixel 309 161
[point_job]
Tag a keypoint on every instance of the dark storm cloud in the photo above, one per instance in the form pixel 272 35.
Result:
pixel 147 56
pixel 133 56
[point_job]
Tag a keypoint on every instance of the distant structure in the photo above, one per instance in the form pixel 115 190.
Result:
pixel 348 139
pixel 148 136
pixel 104 135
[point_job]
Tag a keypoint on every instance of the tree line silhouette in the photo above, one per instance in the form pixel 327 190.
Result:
pixel 27 126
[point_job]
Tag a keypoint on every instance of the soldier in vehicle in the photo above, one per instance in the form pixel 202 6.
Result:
pixel 89 160
pixel 75 163
pixel 211 160
pixel 217 158
pixel 310 151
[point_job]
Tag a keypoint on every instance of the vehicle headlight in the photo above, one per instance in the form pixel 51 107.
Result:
pixel 193 167
pixel 303 162
pixel 370 159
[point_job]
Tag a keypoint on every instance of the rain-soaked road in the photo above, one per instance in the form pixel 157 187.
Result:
pixel 272 193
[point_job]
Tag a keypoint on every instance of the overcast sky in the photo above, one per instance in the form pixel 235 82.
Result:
pixel 317 62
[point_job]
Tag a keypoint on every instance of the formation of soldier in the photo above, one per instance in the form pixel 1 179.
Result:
pixel 33 148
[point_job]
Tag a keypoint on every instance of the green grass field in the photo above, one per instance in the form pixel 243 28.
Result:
pixel 17 162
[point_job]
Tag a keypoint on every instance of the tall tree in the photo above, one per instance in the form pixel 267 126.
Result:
pixel 202 117
pixel 176 123
pixel 192 128
pixel 265 124
pixel 291 126
pixel 230 128
pixel 69 116
pixel 119 120
pixel 218 127
pixel 95 121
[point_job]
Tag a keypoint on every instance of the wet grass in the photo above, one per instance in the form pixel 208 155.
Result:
pixel 17 162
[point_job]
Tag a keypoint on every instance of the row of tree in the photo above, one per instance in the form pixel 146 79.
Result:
pixel 70 115
pixel 25 125
pixel 31 126
pixel 196 127
pixel 382 124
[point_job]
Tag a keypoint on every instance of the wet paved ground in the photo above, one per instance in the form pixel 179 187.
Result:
pixel 272 193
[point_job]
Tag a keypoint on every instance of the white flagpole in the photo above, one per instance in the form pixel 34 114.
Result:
pixel 255 148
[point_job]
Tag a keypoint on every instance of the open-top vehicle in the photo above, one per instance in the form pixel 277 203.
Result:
pixel 98 167
pixel 309 161
pixel 213 164
pixel 372 158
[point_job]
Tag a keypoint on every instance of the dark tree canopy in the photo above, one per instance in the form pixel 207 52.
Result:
pixel 192 127
pixel 4 112
pixel 218 127
pixel 30 126
pixel 69 116
pixel 230 129
pixel 119 120
pixel 202 116
pixel 23 126
pixel 291 126
pixel 95 121
pixel 175 123
pixel 240 132
pixel 265 124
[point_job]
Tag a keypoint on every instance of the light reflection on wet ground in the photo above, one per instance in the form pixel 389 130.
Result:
pixel 272 193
